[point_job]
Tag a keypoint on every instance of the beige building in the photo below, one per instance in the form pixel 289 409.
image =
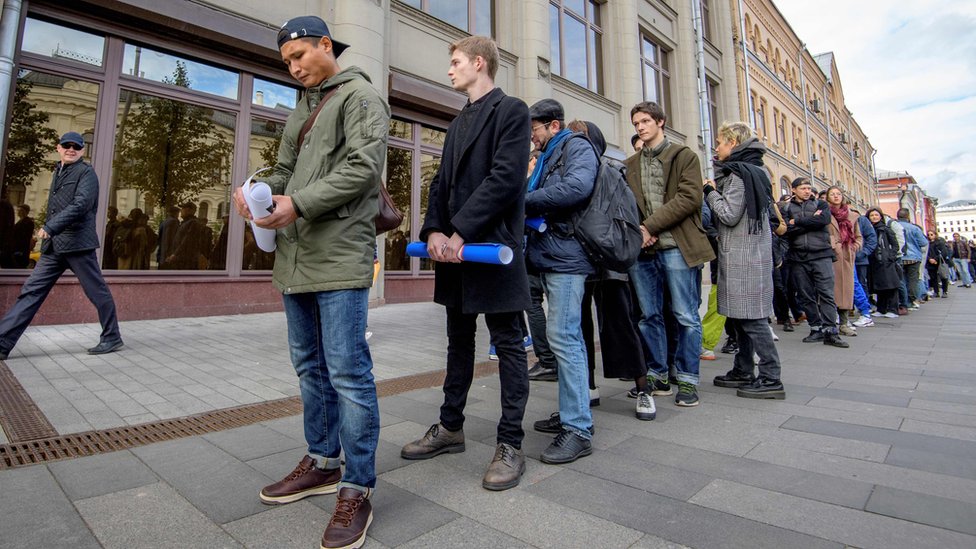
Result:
pixel 143 116
pixel 958 216
pixel 796 103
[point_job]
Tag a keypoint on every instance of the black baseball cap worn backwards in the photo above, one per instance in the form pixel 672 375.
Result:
pixel 308 25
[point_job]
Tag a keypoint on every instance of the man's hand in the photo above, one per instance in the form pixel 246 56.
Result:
pixel 452 252
pixel 649 239
pixel 708 183
pixel 436 244
pixel 283 215
pixel 42 234
pixel 792 222
pixel 240 204
pixel 934 262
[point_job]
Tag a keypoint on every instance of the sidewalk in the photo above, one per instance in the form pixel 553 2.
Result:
pixel 875 446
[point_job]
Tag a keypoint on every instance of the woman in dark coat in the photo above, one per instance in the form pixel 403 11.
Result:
pixel 937 264
pixel 884 269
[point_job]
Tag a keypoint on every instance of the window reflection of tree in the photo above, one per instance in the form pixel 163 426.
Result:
pixel 399 174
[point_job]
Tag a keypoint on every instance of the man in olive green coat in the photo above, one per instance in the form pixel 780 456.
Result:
pixel 325 190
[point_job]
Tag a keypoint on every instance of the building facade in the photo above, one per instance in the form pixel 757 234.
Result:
pixel 958 216
pixel 901 190
pixel 795 102
pixel 181 100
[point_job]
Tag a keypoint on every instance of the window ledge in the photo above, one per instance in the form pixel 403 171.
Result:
pixel 584 94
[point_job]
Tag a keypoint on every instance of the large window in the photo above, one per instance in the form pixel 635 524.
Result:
pixel 655 64
pixel 162 131
pixel 713 119
pixel 575 42
pixel 706 25
pixel 412 160
pixel 474 16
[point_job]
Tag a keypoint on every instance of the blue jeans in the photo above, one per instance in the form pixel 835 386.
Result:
pixel 861 298
pixel 564 292
pixel 650 275
pixel 962 267
pixel 327 343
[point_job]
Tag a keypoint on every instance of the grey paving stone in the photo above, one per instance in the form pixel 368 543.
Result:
pixel 844 525
pixel 653 542
pixel 291 426
pixel 924 509
pixel 36 513
pixel 669 518
pixel 400 516
pixel 940 406
pixel 648 476
pixel 150 516
pixel 912 412
pixel 788 480
pixel 252 441
pixel 857 396
pixel 515 512
pixel 101 474
pixel 939 429
pixel 922 460
pixel 297 525
pixel 221 486
pixel 465 533
pixel 727 398
pixel 942 445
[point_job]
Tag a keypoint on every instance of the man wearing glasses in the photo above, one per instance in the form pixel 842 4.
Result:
pixel 68 241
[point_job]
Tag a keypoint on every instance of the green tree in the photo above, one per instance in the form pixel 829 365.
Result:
pixel 30 139
pixel 269 153
pixel 169 150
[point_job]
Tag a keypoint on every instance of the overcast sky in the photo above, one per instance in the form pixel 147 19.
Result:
pixel 908 70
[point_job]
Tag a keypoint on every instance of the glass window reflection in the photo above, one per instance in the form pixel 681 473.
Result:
pixel 429 164
pixel 60 42
pixel 274 95
pixel 143 62
pixel 399 176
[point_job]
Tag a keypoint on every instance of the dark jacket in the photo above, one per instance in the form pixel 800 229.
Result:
pixel 960 249
pixel 939 251
pixel 808 235
pixel 884 267
pixel 870 241
pixel 71 206
pixel 681 212
pixel 481 196
pixel 566 185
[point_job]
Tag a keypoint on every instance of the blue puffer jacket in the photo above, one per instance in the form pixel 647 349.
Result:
pixel 914 241
pixel 567 184
pixel 870 241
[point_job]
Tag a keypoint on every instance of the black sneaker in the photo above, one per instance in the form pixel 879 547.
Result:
pixel 814 337
pixel 788 326
pixel 733 380
pixel 543 373
pixel 566 448
pixel 834 340
pixel 633 392
pixel 660 388
pixel 731 347
pixel 687 395
pixel 551 425
pixel 763 388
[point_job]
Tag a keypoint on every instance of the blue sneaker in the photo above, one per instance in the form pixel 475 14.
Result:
pixel 527 340
pixel 492 355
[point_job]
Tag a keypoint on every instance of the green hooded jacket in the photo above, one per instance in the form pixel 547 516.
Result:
pixel 334 183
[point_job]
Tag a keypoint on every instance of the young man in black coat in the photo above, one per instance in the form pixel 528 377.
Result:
pixel 478 195
pixel 69 241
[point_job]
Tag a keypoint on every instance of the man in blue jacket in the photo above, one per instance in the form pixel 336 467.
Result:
pixel 559 186
pixel 68 241
pixel 911 258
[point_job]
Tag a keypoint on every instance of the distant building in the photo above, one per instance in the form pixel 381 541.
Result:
pixel 958 216
pixel 901 190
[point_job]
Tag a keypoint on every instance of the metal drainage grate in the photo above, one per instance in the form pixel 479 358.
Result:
pixel 19 416
pixel 53 447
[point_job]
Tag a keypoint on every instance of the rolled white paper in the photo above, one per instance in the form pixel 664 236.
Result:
pixel 257 194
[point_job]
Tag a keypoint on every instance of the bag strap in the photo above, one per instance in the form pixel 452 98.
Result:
pixel 312 117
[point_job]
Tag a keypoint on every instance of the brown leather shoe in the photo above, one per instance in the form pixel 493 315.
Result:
pixel 437 441
pixel 306 480
pixel 506 468
pixel 352 516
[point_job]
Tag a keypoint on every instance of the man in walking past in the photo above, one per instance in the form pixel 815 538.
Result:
pixel 478 195
pixel 915 250
pixel 960 258
pixel 325 187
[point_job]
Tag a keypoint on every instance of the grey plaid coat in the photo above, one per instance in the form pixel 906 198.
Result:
pixel 745 261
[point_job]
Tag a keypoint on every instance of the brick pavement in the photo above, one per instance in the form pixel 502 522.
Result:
pixel 875 446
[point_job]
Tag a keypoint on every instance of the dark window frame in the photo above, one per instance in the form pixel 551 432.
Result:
pixel 661 68
pixel 591 21
pixel 472 26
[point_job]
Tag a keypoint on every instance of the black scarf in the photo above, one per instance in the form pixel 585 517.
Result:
pixel 746 162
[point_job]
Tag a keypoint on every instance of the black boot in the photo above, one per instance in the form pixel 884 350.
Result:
pixel 763 388
pixel 733 379
pixel 834 340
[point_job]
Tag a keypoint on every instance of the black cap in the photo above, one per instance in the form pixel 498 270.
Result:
pixel 800 181
pixel 308 25
pixel 547 109
pixel 72 137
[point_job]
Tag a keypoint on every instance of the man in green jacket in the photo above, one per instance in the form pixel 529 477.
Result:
pixel 666 179
pixel 325 190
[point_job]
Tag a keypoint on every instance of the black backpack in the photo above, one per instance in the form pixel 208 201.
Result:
pixel 120 241
pixel 608 227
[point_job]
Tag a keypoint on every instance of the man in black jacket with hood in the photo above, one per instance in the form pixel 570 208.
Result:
pixel 69 241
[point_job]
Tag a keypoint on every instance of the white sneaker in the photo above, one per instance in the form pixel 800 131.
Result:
pixel 368 335
pixel 645 407
pixel 595 397
pixel 864 322
pixel 877 313
pixel 891 315
pixel 773 332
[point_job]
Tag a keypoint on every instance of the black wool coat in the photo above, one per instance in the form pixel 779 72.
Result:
pixel 71 205
pixel 481 196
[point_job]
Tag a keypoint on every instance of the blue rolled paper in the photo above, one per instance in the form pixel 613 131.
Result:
pixel 495 254
pixel 536 223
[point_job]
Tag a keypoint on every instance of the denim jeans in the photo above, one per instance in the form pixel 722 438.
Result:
pixel 650 275
pixel 564 292
pixel 537 323
pixel 962 268
pixel 327 343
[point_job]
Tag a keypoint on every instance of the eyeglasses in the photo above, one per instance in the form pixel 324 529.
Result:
pixel 537 126
pixel 73 146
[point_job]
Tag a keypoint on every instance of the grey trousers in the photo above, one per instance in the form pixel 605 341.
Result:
pixel 754 337
pixel 537 324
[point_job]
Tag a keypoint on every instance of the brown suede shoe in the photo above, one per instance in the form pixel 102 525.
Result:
pixel 506 468
pixel 352 516
pixel 306 480
pixel 437 441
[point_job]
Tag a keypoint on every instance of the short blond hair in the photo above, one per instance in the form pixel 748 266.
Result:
pixel 478 46
pixel 735 131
